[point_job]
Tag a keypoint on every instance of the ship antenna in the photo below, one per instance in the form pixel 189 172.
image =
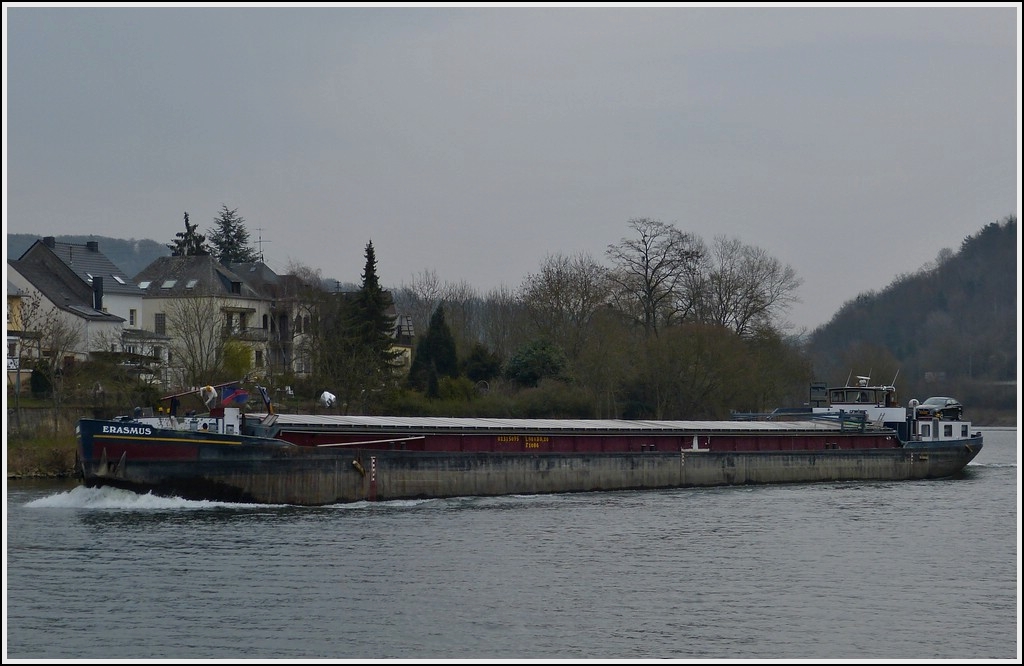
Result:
pixel 894 378
pixel 848 377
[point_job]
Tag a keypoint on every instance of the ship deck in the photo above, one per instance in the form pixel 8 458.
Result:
pixel 448 425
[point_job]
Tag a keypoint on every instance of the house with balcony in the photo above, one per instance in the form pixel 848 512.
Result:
pixel 285 318
pixel 200 303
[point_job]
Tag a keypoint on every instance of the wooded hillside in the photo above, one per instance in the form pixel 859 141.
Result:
pixel 948 329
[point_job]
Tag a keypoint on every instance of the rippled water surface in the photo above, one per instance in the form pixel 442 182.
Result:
pixel 907 570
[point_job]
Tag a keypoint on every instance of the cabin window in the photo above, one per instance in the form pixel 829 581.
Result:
pixel 963 431
pixel 926 430
pixel 947 430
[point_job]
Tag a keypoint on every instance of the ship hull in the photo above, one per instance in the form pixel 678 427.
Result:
pixel 272 471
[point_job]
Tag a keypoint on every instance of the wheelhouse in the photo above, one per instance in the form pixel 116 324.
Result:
pixel 938 430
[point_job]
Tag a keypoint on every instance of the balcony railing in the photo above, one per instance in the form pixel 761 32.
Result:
pixel 247 334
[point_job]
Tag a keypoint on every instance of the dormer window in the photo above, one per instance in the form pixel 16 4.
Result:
pixel 191 283
pixel 145 284
pixel 168 284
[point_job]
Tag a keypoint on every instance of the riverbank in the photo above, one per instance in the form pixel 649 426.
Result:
pixel 43 458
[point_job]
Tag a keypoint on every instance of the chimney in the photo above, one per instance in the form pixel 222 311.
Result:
pixel 92 246
pixel 50 241
pixel 97 293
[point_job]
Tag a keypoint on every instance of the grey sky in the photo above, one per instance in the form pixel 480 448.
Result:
pixel 851 143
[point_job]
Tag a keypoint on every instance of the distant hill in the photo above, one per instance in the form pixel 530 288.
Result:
pixel 948 329
pixel 131 256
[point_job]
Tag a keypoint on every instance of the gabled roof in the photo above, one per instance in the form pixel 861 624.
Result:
pixel 85 260
pixel 178 276
pixel 63 289
pixel 259 276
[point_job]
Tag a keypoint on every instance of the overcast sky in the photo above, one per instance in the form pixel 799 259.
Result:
pixel 851 143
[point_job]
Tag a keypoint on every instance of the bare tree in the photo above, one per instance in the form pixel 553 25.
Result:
pixel 420 299
pixel 501 314
pixel 194 324
pixel 650 271
pixel 462 310
pixel 743 288
pixel 304 291
pixel 562 297
pixel 56 336
pixel 607 361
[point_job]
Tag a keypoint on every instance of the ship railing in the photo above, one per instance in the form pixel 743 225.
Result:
pixel 852 420
pixel 782 414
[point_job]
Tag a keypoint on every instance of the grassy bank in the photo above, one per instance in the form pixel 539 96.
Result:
pixel 48 456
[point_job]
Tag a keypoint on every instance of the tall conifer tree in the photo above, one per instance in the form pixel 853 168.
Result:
pixel 188 243
pixel 371 323
pixel 230 238
pixel 435 353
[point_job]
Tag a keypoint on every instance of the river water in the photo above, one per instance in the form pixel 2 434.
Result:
pixel 917 570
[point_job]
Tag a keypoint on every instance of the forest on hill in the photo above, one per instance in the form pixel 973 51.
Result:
pixel 948 329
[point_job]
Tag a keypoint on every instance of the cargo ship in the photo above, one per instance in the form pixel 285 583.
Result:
pixel 228 455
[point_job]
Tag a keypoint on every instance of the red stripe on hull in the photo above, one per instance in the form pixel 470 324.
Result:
pixel 603 443
pixel 145 448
